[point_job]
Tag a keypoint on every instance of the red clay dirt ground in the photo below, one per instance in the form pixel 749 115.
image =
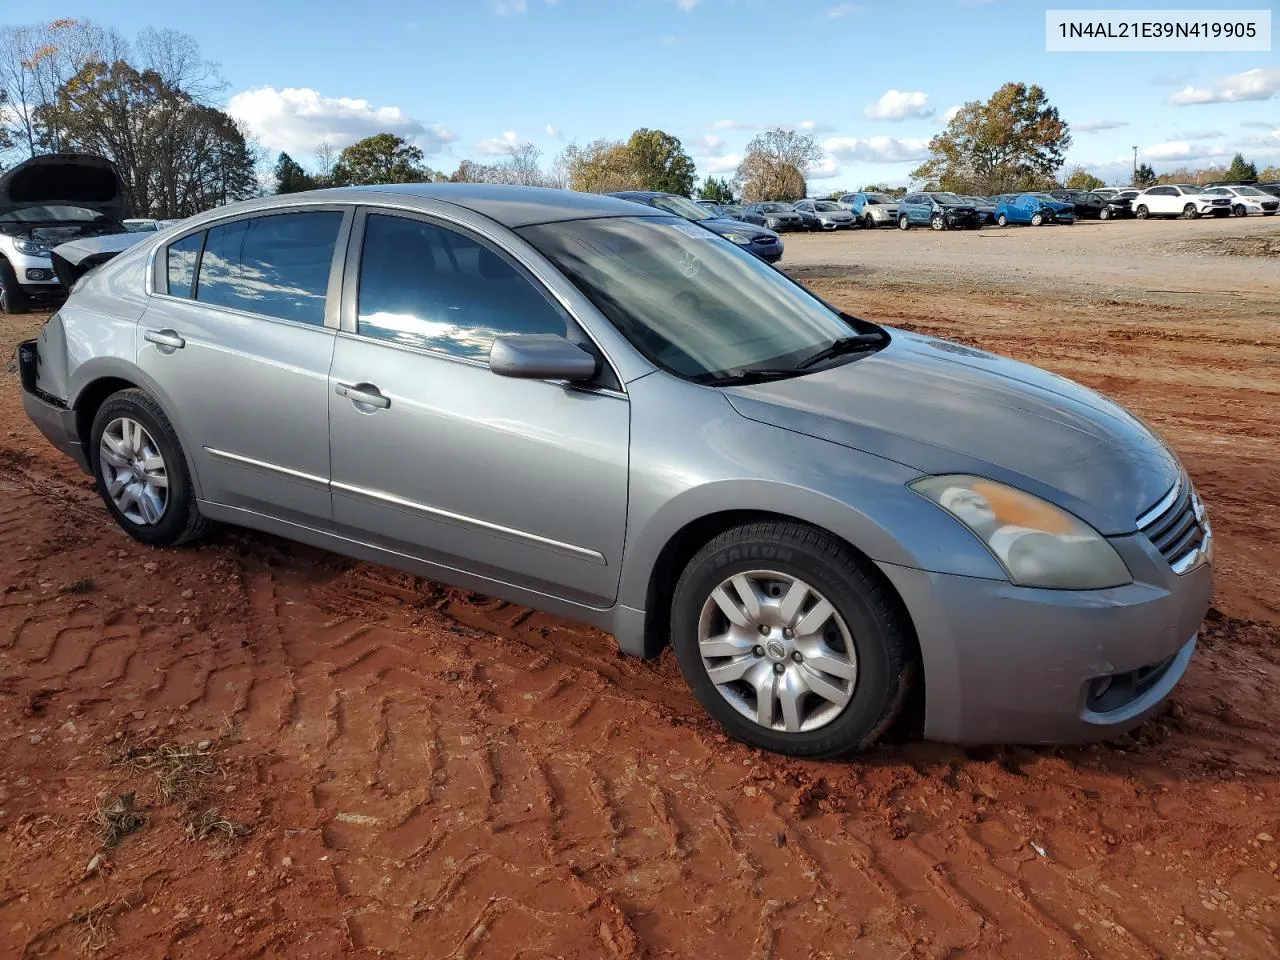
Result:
pixel 427 773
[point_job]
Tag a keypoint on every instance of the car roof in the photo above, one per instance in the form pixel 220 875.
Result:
pixel 510 206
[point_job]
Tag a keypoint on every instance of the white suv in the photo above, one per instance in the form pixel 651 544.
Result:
pixel 44 202
pixel 1179 200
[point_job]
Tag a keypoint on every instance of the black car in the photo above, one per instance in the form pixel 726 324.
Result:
pixel 765 244
pixel 774 214
pixel 1093 206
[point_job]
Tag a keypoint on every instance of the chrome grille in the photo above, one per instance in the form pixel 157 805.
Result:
pixel 1176 525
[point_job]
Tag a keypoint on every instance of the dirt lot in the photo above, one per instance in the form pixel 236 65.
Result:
pixel 328 758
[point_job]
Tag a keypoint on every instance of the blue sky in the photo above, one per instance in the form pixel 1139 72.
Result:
pixel 873 80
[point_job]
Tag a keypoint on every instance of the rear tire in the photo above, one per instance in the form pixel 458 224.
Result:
pixel 178 518
pixel 13 299
pixel 859 650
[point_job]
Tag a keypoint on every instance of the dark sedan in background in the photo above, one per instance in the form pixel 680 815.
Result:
pixel 765 244
pixel 773 214
pixel 1095 206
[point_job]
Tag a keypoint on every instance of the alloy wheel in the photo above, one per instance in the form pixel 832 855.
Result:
pixel 777 651
pixel 1189 211
pixel 869 222
pixel 937 222
pixel 133 471
pixel 1141 213
pixel 903 222
pixel 1239 210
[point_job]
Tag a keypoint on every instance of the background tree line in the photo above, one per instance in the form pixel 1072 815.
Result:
pixel 148 105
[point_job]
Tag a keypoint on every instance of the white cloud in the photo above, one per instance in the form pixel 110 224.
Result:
pixel 899 105
pixel 1198 135
pixel 725 163
pixel 876 149
pixel 1260 83
pixel 508 8
pixel 949 114
pixel 815 126
pixel 687 5
pixel 841 10
pixel 734 125
pixel 1263 124
pixel 1182 150
pixel 1094 126
pixel 553 132
pixel 498 146
pixel 297 119
pixel 824 170
pixel 710 144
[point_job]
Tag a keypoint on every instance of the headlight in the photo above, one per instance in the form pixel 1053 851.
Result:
pixel 1038 544
pixel 31 248
pixel 739 238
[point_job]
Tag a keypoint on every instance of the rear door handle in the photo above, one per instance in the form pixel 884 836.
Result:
pixel 365 393
pixel 165 338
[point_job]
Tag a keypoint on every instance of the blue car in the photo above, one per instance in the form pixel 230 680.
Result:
pixel 1034 209
pixel 939 210
pixel 764 243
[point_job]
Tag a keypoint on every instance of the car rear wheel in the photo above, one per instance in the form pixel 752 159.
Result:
pixel 141 471
pixel 936 222
pixel 1189 212
pixel 12 297
pixel 1142 212
pixel 903 222
pixel 790 641
pixel 1037 219
pixel 869 222
pixel 1239 210
pixel 1002 220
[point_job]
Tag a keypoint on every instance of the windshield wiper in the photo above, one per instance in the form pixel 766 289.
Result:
pixel 741 377
pixel 842 345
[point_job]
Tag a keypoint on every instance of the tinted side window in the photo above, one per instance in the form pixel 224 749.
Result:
pixel 181 267
pixel 275 265
pixel 425 286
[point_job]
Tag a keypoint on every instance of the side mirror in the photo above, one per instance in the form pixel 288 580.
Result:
pixel 541 356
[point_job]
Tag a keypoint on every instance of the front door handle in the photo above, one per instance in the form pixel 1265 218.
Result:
pixel 165 338
pixel 365 393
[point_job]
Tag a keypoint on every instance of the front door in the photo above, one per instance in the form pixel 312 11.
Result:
pixel 434 456
pixel 236 341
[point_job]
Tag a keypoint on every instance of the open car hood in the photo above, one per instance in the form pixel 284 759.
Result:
pixel 68 179
pixel 73 260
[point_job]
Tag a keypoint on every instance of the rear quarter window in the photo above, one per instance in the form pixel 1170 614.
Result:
pixel 180 265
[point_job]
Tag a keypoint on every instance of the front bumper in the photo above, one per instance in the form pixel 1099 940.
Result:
pixel 35 274
pixel 51 417
pixel 1008 664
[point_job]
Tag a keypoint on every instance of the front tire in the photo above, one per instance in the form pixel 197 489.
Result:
pixel 937 223
pixel 1142 213
pixel 1037 219
pixel 1239 210
pixel 790 641
pixel 142 472
pixel 13 299
pixel 1104 214
pixel 1002 221
pixel 1189 212
pixel 869 222
pixel 903 222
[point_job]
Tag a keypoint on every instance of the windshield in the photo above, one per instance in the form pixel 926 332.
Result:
pixel 826 206
pixel 1250 192
pixel 693 303
pixel 777 208
pixel 683 207
pixel 140 226
pixel 1045 196
pixel 946 198
pixel 53 213
pixel 879 198
pixel 1191 189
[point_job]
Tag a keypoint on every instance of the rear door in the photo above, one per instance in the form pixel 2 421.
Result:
pixel 434 456
pixel 238 338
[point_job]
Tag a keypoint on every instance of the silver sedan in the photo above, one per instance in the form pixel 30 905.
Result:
pixel 605 411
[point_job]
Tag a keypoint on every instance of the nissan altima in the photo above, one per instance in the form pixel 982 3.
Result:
pixel 602 410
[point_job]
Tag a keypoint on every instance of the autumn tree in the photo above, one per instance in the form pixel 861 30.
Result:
pixel 602 166
pixel 1013 141
pixel 1241 169
pixel 381 158
pixel 717 190
pixel 290 177
pixel 1144 176
pixel 1269 174
pixel 659 162
pixel 776 165
pixel 1081 179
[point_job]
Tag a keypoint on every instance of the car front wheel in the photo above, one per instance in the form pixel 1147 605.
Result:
pixel 141 471
pixel 790 641
pixel 1142 212
pixel 12 297
pixel 1002 221
pixel 869 222
pixel 1037 219
pixel 1189 212
pixel 1104 214
pixel 903 222
pixel 937 223
pixel 1239 210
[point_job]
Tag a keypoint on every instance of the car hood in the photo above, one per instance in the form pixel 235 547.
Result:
pixel 723 225
pixel 942 408
pixel 74 179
